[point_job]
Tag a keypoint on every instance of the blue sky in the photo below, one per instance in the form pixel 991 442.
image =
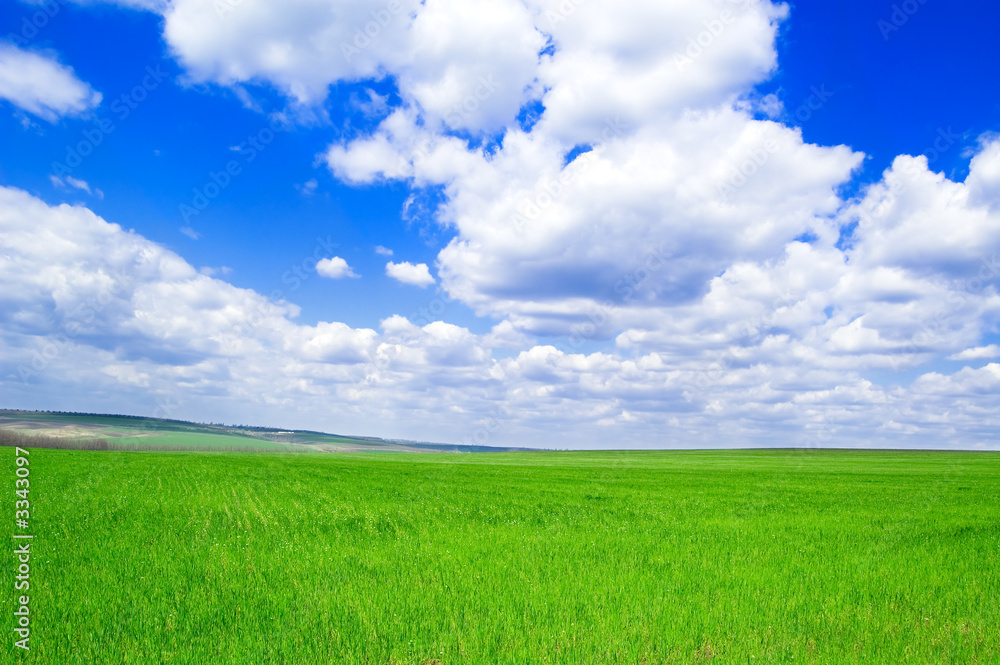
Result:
pixel 177 136
pixel 732 264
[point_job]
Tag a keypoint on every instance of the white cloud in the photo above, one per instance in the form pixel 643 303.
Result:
pixel 90 311
pixel 299 48
pixel 771 106
pixel 190 233
pixel 466 64
pixel 408 273
pixel 39 84
pixel 471 64
pixel 978 353
pixel 383 251
pixel 734 296
pixel 545 243
pixel 334 268
pixel 899 218
pixel 372 105
pixel 70 181
pixel 308 188
pixel 984 175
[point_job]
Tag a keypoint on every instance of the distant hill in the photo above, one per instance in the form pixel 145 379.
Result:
pixel 125 432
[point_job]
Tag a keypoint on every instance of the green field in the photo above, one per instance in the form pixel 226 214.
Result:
pixel 632 557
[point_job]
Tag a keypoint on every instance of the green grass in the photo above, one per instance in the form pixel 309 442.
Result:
pixel 728 557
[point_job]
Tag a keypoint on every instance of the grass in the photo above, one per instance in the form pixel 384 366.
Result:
pixel 665 557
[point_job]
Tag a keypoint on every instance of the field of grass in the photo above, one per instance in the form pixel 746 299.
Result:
pixel 632 557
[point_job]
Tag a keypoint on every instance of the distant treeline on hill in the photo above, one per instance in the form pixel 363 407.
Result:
pixel 11 438
pixel 93 415
pixel 257 428
pixel 189 423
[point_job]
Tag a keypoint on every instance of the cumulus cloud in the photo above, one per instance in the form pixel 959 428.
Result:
pixel 978 353
pixel 334 268
pixel 85 304
pixel 558 220
pixel 408 273
pixel 656 259
pixel 466 65
pixel 39 84
pixel 300 48
pixel 984 175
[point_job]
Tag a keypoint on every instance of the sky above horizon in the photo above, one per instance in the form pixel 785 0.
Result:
pixel 562 224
